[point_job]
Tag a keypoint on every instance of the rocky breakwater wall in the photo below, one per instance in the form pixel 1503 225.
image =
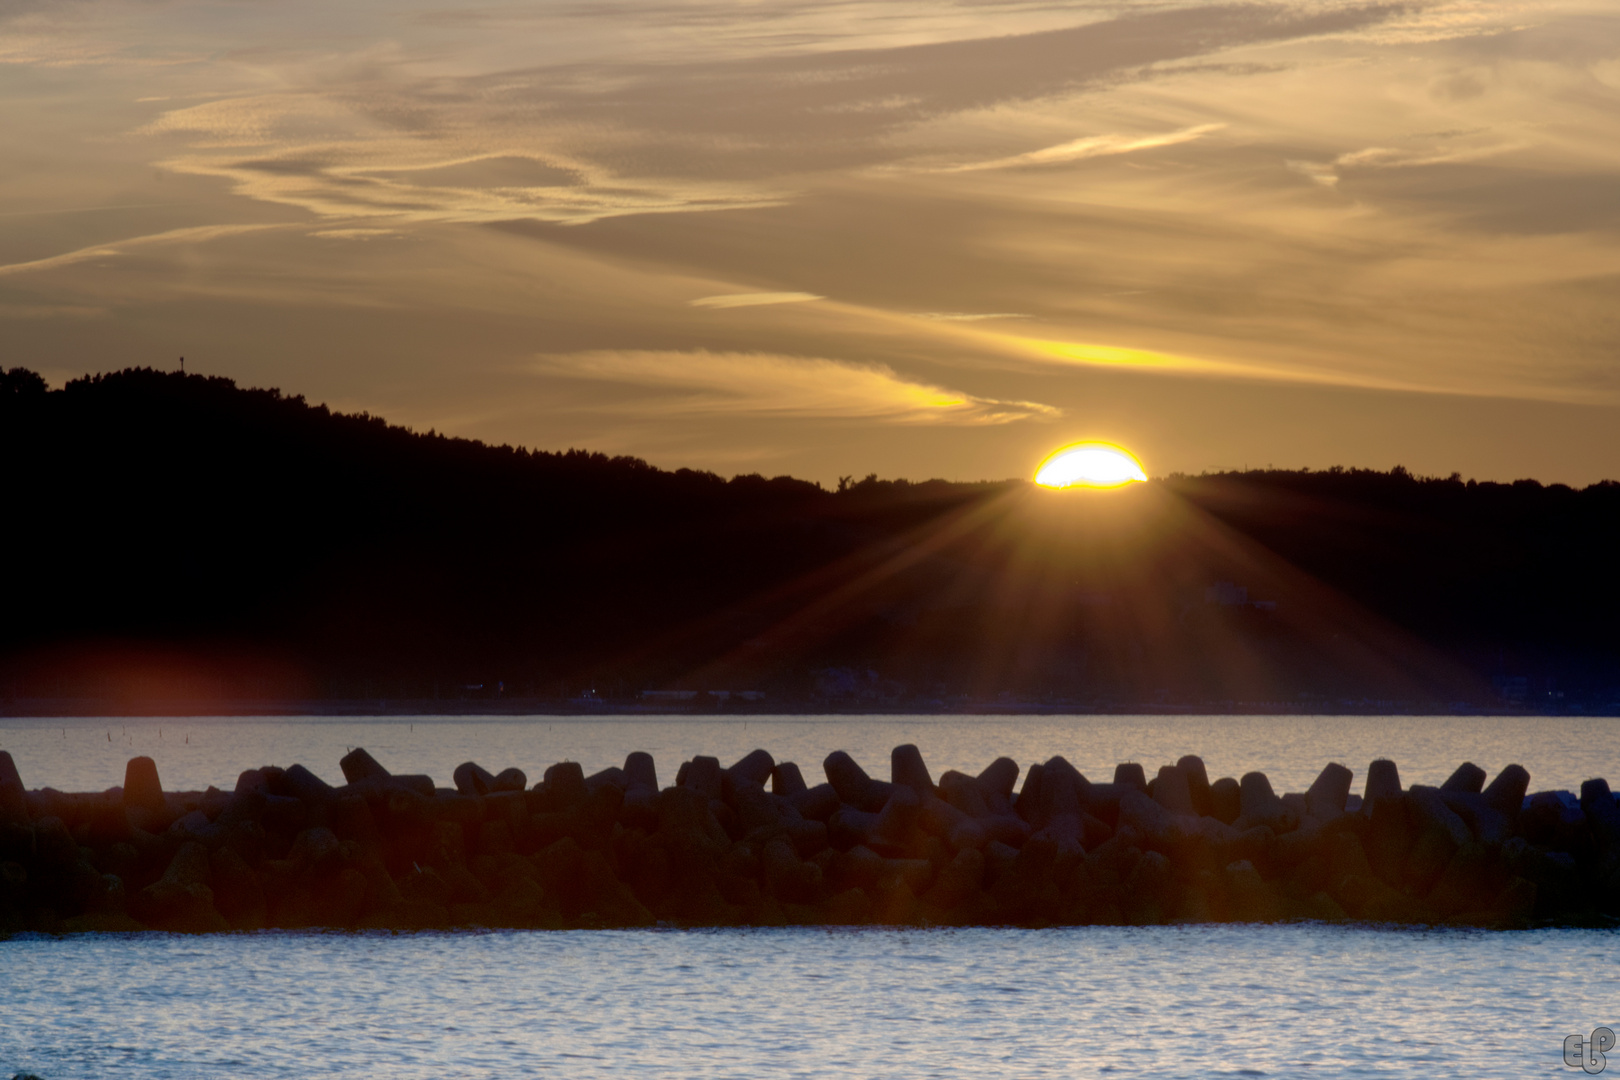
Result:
pixel 754 844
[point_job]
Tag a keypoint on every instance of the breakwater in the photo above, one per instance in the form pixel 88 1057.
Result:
pixel 756 844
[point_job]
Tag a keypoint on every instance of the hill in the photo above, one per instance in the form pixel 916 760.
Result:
pixel 176 536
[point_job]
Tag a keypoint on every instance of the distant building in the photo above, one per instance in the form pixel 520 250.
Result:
pixel 1231 594
pixel 1227 594
pixel 1512 688
pixel 1524 689
pixel 679 697
pixel 842 683
pixel 669 696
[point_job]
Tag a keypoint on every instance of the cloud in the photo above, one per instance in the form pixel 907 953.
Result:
pixel 1318 172
pixel 967 316
pixel 349 154
pixel 354 234
pixel 51 311
pixel 1107 355
pixel 849 101
pixel 577 143
pixel 1384 157
pixel 83 209
pixel 766 385
pixel 494 171
pixel 1090 147
pixel 754 299
pixel 1329 173
pixel 1093 354
pixel 194 234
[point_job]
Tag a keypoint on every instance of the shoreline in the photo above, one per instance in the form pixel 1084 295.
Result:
pixel 62 708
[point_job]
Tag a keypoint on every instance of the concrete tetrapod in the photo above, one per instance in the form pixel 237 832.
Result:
pixel 753 845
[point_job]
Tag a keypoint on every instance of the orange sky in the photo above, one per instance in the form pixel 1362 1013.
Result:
pixel 838 238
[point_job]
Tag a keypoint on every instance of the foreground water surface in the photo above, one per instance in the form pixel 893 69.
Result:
pixel 1287 1001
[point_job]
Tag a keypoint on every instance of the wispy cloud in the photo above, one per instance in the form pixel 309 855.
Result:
pixel 82 209
pixel 1328 173
pixel 1318 172
pixel 967 316
pixel 1384 157
pixel 765 385
pixel 337 155
pixel 195 234
pixel 1090 147
pixel 51 311
pixel 1107 355
pixel 579 143
pixel 753 299
pixel 354 234
pixel 1126 357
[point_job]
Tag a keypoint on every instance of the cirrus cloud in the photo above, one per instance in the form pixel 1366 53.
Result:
pixel 755 299
pixel 767 385
pixel 1090 147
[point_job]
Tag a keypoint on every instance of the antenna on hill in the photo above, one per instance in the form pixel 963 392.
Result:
pixel 182 365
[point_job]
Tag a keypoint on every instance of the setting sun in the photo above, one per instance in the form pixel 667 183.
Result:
pixel 1090 464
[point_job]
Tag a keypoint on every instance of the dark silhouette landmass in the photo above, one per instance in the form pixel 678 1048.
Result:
pixel 176 542
pixel 286 850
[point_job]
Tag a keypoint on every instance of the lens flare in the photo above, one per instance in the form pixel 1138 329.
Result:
pixel 1091 464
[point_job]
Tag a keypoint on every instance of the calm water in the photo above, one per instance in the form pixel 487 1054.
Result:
pixel 192 753
pixel 1284 1001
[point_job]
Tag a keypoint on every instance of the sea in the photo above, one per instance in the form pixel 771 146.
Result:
pixel 1296 1000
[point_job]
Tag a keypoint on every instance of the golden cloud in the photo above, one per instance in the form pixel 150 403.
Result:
pixel 1090 147
pixel 763 384
pixel 756 299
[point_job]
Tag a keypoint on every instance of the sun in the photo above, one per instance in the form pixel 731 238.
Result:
pixel 1090 464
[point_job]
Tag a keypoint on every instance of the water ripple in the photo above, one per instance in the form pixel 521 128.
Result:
pixel 1162 1002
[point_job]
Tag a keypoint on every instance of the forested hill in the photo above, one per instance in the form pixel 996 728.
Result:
pixel 177 535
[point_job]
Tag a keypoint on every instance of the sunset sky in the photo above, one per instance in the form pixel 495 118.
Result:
pixel 829 238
